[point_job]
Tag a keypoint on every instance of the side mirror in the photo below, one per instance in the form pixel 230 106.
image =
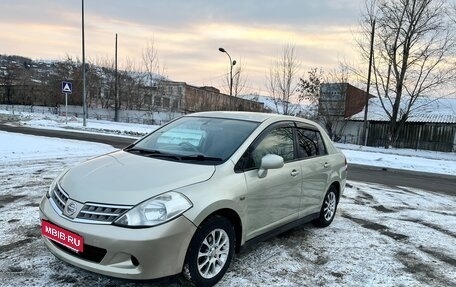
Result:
pixel 269 161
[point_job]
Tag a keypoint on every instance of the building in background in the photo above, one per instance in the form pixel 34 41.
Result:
pixel 341 100
pixel 431 126
pixel 337 103
pixel 185 98
pixel 38 83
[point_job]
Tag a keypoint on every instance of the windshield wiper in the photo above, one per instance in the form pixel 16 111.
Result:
pixel 141 150
pixel 165 155
pixel 156 153
pixel 200 157
pixel 152 153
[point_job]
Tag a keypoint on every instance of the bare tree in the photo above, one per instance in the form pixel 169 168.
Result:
pixel 151 61
pixel 130 82
pixel 8 77
pixel 15 79
pixel 309 89
pixel 240 80
pixel 328 111
pixel 282 80
pixel 102 83
pixel 239 84
pixel 152 69
pixel 412 53
pixel 67 69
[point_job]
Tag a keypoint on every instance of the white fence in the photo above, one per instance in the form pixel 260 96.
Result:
pixel 127 116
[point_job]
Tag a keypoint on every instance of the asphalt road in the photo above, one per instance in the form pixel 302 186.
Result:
pixel 390 177
pixel 115 141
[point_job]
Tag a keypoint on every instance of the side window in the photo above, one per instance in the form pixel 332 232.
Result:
pixel 279 141
pixel 307 143
pixel 310 143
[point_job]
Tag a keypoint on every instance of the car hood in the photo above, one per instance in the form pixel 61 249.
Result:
pixel 127 179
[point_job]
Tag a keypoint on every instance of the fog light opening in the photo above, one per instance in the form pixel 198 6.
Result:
pixel 134 261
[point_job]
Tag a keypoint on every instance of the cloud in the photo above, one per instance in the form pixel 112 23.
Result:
pixel 186 33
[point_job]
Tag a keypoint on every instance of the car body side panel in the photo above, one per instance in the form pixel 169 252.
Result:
pixel 272 200
pixel 315 178
pixel 225 190
pixel 338 171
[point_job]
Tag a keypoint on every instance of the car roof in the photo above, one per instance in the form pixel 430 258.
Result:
pixel 247 116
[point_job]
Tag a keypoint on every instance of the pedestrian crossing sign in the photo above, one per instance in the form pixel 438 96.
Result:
pixel 67 87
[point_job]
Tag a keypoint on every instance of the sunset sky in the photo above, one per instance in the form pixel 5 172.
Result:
pixel 187 33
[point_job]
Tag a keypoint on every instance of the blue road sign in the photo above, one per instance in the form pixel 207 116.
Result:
pixel 67 87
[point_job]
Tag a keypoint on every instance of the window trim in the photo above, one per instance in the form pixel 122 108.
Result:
pixel 295 125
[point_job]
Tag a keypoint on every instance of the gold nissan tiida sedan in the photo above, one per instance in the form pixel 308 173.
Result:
pixel 188 196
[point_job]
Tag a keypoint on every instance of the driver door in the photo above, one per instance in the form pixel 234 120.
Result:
pixel 274 199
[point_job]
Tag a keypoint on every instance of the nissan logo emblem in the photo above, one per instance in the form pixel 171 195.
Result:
pixel 71 208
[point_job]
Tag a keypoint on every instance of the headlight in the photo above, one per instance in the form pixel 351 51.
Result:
pixel 156 210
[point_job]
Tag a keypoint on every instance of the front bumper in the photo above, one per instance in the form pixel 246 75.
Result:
pixel 160 250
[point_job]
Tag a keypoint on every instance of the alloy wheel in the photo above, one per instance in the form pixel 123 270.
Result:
pixel 213 253
pixel 329 207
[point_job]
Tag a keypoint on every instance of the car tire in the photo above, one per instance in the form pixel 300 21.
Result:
pixel 210 252
pixel 328 208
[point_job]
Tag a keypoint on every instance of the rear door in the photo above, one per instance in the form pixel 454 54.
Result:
pixel 315 167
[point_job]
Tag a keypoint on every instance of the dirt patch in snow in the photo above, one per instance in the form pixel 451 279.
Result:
pixel 9 198
pixel 377 227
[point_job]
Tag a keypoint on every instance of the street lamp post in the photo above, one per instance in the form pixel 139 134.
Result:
pixel 232 63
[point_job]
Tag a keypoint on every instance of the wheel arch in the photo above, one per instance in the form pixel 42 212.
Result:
pixel 336 185
pixel 235 220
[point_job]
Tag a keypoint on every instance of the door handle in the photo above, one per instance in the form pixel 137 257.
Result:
pixel 325 165
pixel 294 172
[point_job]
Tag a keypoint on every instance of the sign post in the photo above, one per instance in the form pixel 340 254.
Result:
pixel 67 88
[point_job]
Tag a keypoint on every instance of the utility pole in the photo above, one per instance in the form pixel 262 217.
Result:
pixel 366 106
pixel 84 104
pixel 116 90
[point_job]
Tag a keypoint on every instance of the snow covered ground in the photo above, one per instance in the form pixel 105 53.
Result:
pixel 408 159
pixel 405 159
pixel 381 236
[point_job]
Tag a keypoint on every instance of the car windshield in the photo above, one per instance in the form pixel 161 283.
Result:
pixel 196 139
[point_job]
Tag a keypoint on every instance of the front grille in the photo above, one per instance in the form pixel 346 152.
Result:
pixel 101 212
pixel 59 197
pixel 90 212
pixel 90 253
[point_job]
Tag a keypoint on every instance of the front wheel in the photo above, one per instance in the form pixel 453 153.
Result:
pixel 210 252
pixel 328 209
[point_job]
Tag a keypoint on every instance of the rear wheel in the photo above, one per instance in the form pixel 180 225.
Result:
pixel 328 209
pixel 210 252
